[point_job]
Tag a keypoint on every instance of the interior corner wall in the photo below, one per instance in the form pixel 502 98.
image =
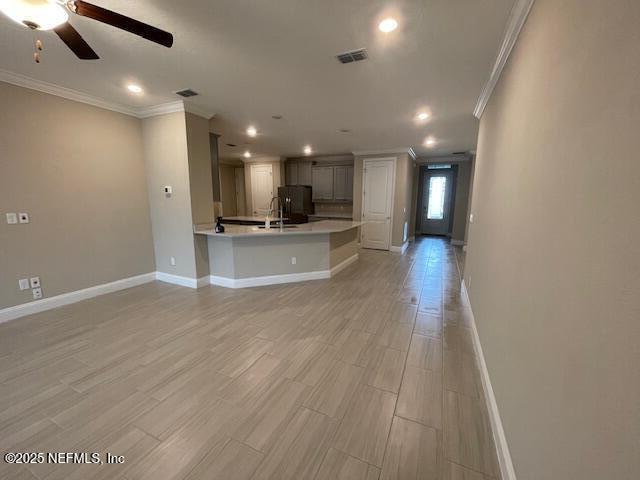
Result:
pixel 167 164
pixel 402 199
pixel 201 183
pixel 553 257
pixel 461 201
pixel 78 171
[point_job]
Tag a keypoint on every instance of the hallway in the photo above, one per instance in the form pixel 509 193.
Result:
pixel 368 375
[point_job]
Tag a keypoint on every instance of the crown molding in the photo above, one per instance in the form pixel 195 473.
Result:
pixel 198 110
pixel 70 94
pixel 516 20
pixel 162 109
pixel 385 151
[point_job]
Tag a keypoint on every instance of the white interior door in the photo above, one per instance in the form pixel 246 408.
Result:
pixel 261 188
pixel 377 203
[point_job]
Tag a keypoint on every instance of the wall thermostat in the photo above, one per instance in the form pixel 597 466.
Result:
pixel 168 190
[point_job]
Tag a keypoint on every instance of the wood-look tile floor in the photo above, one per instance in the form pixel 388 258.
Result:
pixel 368 375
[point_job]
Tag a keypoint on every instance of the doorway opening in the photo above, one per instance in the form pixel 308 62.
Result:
pixel 436 193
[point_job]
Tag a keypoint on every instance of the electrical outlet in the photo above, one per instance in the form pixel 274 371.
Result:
pixel 35 282
pixel 172 260
pixel 12 218
pixel 168 191
pixel 23 217
pixel 37 293
pixel 23 283
pixel 294 260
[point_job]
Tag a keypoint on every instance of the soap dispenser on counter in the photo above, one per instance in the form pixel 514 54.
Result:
pixel 219 227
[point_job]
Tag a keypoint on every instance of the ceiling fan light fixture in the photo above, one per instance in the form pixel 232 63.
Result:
pixel 35 14
pixel 133 88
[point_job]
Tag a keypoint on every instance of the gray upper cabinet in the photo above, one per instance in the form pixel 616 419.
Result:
pixel 322 183
pixel 304 173
pixel 298 172
pixel 329 183
pixel 291 173
pixel 340 183
pixel 349 184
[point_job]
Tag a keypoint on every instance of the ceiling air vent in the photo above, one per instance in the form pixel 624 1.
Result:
pixel 459 153
pixel 353 56
pixel 187 93
pixel 231 145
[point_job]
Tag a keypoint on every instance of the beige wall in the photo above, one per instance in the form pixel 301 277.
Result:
pixel 228 190
pixel 201 182
pixel 403 195
pixel 78 171
pixel 167 163
pixel 461 202
pixel 553 265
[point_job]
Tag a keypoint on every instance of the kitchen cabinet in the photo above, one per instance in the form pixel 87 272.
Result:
pixel 291 173
pixel 304 172
pixel 298 172
pixel 322 183
pixel 343 182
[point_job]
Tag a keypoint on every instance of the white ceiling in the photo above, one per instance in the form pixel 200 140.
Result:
pixel 250 60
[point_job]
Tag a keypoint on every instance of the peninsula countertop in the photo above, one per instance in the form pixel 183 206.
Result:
pixel 312 228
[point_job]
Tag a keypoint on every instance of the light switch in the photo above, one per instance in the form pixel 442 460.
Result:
pixel 23 283
pixel 12 218
pixel 471 218
pixel 35 282
pixel 23 217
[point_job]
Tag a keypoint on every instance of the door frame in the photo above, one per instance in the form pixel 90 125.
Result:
pixel 253 197
pixel 393 194
pixel 424 170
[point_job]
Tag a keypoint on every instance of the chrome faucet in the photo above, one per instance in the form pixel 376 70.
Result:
pixel 279 209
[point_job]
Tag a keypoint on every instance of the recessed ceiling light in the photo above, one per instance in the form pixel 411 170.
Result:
pixel 247 154
pixel 133 88
pixel 307 150
pixel 430 142
pixel 388 25
pixel 422 116
pixel 252 132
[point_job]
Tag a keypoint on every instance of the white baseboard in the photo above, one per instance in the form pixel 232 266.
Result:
pixel 504 456
pixel 268 279
pixel 344 264
pixel 17 311
pixel 182 281
pixel 401 249
pixel 457 243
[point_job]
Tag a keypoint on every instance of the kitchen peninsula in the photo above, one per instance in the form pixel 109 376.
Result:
pixel 251 255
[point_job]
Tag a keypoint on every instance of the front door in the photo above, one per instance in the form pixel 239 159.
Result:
pixel 377 202
pixel 261 189
pixel 436 202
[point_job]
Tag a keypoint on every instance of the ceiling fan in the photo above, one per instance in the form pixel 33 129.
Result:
pixel 52 15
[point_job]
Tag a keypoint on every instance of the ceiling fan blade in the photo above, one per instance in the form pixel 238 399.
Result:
pixel 75 42
pixel 120 21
